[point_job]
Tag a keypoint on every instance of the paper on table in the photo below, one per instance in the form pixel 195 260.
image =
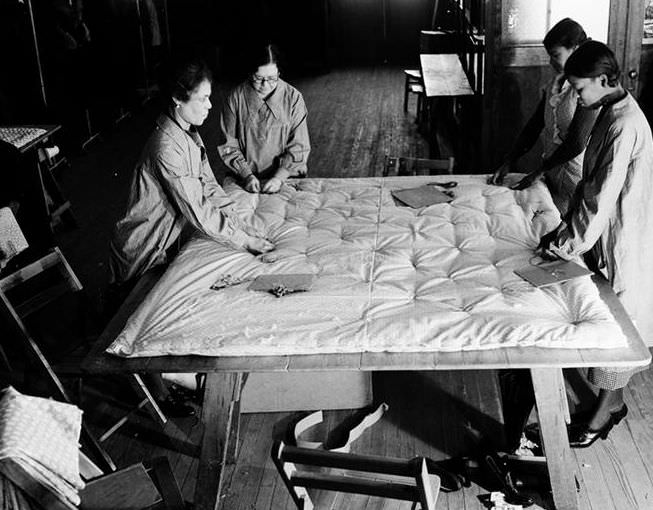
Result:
pixel 549 273
pixel 422 196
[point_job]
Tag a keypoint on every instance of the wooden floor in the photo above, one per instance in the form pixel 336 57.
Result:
pixel 355 118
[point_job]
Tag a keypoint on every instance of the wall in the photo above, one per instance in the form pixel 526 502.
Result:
pixel 323 33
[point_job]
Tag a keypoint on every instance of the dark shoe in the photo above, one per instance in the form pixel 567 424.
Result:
pixel 581 436
pixel 532 431
pixel 502 475
pixel 176 407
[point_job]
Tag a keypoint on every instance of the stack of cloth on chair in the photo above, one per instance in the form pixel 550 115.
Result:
pixel 39 452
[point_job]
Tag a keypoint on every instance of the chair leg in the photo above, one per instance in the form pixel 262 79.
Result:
pixel 406 95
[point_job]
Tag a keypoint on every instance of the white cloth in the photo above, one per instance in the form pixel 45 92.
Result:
pixel 42 437
pixel 612 212
pixel 388 278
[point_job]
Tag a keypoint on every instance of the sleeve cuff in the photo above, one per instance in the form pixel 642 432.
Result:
pixel 282 174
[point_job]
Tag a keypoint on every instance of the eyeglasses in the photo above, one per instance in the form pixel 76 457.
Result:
pixel 260 80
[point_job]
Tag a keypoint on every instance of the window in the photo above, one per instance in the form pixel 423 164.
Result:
pixel 525 22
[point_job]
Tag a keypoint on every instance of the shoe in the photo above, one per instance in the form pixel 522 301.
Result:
pixel 503 476
pixel 581 436
pixel 532 431
pixel 176 407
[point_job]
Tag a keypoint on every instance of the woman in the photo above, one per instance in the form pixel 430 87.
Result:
pixel 173 186
pixel 564 126
pixel 610 219
pixel 173 189
pixel 264 127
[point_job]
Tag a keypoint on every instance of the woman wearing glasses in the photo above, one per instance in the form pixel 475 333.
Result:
pixel 264 127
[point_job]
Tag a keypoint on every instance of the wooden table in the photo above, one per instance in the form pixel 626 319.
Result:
pixel 443 75
pixel 226 377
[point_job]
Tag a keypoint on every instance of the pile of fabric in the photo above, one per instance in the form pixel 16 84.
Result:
pixel 39 451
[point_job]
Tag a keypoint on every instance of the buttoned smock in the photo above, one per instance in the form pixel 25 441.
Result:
pixel 173 186
pixel 611 214
pixel 265 137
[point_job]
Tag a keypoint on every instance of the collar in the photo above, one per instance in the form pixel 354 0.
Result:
pixel 614 98
pixel 166 123
pixel 274 101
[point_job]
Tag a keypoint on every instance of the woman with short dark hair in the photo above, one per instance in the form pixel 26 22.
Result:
pixel 610 219
pixel 173 185
pixel 562 126
pixel 264 127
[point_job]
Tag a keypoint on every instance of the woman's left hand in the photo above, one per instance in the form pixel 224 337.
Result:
pixel 272 185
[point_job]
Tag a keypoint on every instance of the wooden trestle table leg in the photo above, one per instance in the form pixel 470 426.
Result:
pixel 220 416
pixel 550 398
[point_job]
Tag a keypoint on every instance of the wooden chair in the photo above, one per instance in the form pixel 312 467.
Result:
pixel 14 313
pixel 150 485
pixel 396 165
pixel 406 480
pixel 33 296
pixel 413 85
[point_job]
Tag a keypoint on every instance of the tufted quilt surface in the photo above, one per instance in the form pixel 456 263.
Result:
pixel 388 278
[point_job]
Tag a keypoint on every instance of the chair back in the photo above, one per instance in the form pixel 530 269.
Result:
pixel 396 165
pixel 406 480
pixel 148 485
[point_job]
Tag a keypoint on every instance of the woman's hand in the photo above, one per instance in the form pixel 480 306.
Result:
pixel 272 185
pixel 252 184
pixel 547 243
pixel 497 177
pixel 527 181
pixel 257 245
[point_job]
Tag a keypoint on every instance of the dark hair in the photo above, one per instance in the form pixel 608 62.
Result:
pixel 183 74
pixel 262 55
pixel 567 33
pixel 593 59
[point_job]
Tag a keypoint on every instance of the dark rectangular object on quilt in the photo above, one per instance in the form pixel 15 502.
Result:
pixel 423 196
pixel 549 273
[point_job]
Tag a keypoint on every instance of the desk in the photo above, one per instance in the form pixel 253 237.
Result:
pixel 227 374
pixel 443 75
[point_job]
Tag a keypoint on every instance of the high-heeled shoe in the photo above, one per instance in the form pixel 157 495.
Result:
pixel 578 424
pixel 581 436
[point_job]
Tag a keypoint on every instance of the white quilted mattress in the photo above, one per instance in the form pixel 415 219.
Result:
pixel 388 278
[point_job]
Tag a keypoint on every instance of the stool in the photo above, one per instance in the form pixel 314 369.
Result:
pixel 406 480
pixel 413 85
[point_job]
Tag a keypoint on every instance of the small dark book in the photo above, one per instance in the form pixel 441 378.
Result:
pixel 423 196
pixel 550 273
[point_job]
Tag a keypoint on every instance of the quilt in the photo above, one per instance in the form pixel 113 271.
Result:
pixel 387 278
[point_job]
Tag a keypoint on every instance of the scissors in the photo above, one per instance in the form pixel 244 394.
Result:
pixel 448 184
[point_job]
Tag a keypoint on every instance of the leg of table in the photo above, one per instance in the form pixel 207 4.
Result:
pixel 232 449
pixel 219 414
pixel 550 398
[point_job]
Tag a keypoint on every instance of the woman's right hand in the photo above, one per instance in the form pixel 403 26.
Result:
pixel 252 184
pixel 258 245
pixel 497 177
